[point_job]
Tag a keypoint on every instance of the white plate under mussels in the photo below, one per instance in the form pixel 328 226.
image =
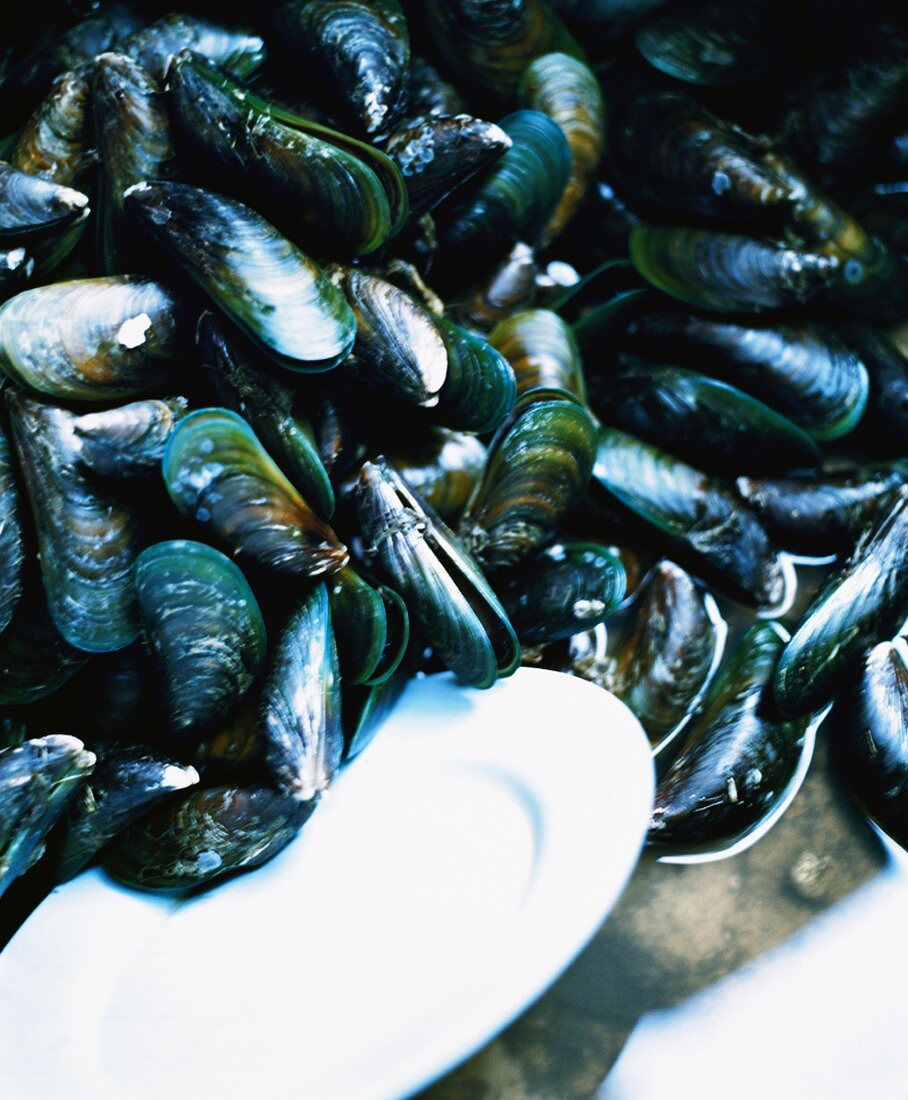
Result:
pixel 450 875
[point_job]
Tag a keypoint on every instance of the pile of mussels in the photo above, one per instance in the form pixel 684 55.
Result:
pixel 315 380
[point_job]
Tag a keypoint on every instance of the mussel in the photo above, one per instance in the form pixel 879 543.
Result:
pixel 34 210
pixel 92 339
pixel 446 594
pixel 537 466
pixel 262 282
pixel 480 388
pixel 441 469
pixel 697 518
pixel 864 602
pixel 739 755
pixel 299 709
pixel 53 143
pixel 12 543
pixel 217 472
pixel 869 737
pixel 128 441
pixel 154 46
pixel 543 352
pixel 669 653
pixel 87 537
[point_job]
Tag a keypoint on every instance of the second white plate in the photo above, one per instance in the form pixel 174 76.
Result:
pixel 451 874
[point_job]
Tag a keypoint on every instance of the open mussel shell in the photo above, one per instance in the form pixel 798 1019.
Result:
pixel 363 49
pixel 360 624
pixel 269 408
pixel 512 202
pixel 92 339
pixel 204 629
pixel 208 833
pixel 823 513
pixel 35 659
pixel 538 465
pixel 727 272
pixel 708 423
pixel 263 283
pixel 134 141
pixel 739 755
pixel 669 654
pixel 12 545
pixel 805 371
pixel 126 782
pixel 300 705
pixel 868 737
pixel 543 353
pixel 441 468
pixel 566 589
pixel 87 538
pixel 53 142
pixel 323 196
pixel 35 210
pixel 700 521
pixel 566 89
pixel 489 46
pixel 864 602
pixel 712 43
pixel 437 153
pixel 398 347
pixel 217 472
pixel 128 441
pixel 37 779
pixel 678 160
pixel 237 51
pixel 446 595
pixel 479 389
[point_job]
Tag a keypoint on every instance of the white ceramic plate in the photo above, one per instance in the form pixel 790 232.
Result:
pixel 452 873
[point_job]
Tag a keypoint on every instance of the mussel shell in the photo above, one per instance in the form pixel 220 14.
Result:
pixel 360 624
pixel 217 472
pixel 397 636
pixel 863 603
pixel 204 628
pixel 268 406
pixel 363 46
pixel 240 52
pixel 538 465
pixel 713 43
pixel 565 89
pixel 300 706
pixel 365 710
pixel 479 390
pixel 12 546
pixel 805 371
pixel 817 514
pixel 441 469
pixel 676 159
pixel 37 779
pixel 126 782
pixel 261 281
pixel 438 153
pixel 738 756
pixel 398 345
pixel 700 521
pixel 670 652
pixel 727 272
pixel 708 423
pixel 428 93
pixel 128 441
pixel 92 339
pixel 87 538
pixel 134 141
pixel 52 144
pixel 543 353
pixel 566 589
pixel 323 196
pixel 868 737
pixel 489 46
pixel 884 429
pixel 446 594
pixel 512 202
pixel 208 833
pixel 33 209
